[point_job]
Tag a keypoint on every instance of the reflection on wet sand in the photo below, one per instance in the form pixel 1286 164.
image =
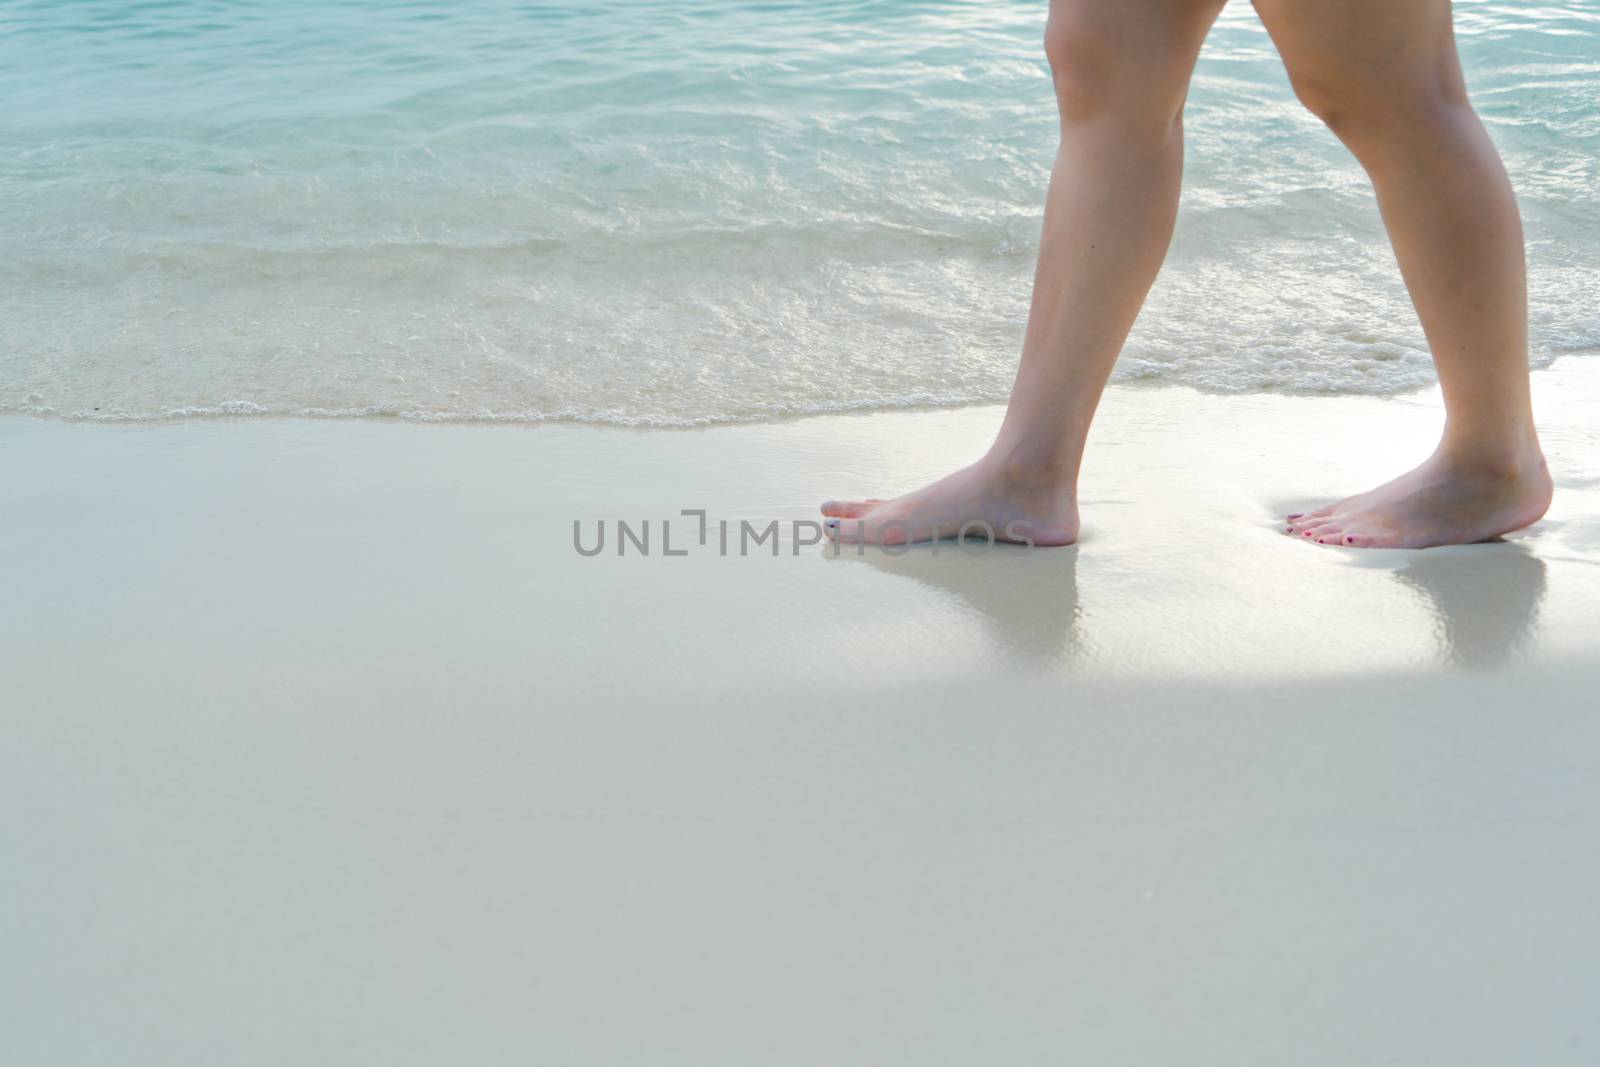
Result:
pixel 1485 602
pixel 1028 598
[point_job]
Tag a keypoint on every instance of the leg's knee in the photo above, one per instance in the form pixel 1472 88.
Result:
pixel 1339 102
pixel 1099 74
pixel 1361 109
pixel 1082 64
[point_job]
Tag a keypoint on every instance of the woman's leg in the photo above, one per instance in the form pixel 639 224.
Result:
pixel 1384 76
pixel 1121 70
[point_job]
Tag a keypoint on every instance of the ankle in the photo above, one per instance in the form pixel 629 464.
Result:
pixel 1510 457
pixel 1032 467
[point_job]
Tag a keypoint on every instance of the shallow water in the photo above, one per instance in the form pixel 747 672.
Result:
pixel 675 212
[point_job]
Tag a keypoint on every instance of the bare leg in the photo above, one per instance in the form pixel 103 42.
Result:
pixel 1121 70
pixel 1384 76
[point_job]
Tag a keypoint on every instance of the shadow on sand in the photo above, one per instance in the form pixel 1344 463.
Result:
pixel 1027 597
pixel 1485 601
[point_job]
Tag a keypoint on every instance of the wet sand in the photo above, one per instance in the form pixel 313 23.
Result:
pixel 324 743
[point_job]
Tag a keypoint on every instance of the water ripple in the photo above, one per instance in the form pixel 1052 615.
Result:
pixel 673 212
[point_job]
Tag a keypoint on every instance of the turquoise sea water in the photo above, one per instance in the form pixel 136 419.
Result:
pixel 681 211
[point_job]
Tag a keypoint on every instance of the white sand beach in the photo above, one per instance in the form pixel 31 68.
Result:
pixel 323 744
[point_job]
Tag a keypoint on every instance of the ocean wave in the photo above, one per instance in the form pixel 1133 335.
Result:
pixel 661 214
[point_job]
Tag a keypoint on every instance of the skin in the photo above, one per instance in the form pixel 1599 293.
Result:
pixel 1384 76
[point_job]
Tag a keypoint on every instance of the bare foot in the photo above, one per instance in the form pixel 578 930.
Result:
pixel 991 499
pixel 1442 502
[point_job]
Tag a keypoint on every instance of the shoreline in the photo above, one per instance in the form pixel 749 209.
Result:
pixel 1181 571
pixel 644 423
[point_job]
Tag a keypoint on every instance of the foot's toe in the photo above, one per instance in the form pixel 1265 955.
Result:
pixel 848 509
pixel 1373 536
pixel 874 529
pixel 1308 530
pixel 848 531
pixel 1331 534
pixel 1302 517
pixel 1304 523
